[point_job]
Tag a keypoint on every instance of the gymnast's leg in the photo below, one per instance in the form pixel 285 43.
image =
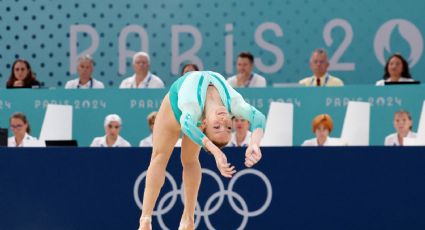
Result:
pixel 166 131
pixel 191 179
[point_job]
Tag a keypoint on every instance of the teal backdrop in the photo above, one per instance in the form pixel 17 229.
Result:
pixel 91 107
pixel 359 36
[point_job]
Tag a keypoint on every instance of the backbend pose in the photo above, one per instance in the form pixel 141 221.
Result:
pixel 199 104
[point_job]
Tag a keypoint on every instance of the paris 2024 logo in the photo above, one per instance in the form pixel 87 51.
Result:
pixel 408 31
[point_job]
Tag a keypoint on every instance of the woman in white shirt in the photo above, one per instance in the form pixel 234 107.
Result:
pixel 147 141
pixel 21 129
pixel 403 126
pixel 112 138
pixel 396 70
pixel 322 126
pixel 241 136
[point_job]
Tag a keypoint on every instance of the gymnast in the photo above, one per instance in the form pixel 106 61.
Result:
pixel 200 104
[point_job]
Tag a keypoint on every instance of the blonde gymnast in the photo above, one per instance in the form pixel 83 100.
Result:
pixel 202 104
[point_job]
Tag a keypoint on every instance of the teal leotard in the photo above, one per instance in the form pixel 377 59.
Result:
pixel 188 95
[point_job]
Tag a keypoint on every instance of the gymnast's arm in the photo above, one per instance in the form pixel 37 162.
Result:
pixel 241 108
pixel 196 135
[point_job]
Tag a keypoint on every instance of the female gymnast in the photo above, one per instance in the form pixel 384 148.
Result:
pixel 200 104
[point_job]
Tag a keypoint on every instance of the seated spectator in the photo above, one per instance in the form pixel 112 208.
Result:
pixel 147 141
pixel 241 136
pixel 322 126
pixel 188 68
pixel 112 138
pixel 319 64
pixel 403 126
pixel 21 131
pixel 21 76
pixel 245 77
pixel 396 70
pixel 142 77
pixel 85 68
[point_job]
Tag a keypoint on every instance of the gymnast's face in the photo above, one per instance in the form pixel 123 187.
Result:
pixel 218 125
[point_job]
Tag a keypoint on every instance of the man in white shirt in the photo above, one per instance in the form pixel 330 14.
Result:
pixel 319 64
pixel 85 68
pixel 142 77
pixel 245 76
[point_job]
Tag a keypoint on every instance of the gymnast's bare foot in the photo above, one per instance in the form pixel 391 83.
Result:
pixel 145 223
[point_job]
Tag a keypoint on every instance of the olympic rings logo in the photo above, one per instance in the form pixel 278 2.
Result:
pixel 207 210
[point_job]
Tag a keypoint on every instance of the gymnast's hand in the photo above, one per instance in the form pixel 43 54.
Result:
pixel 223 166
pixel 252 155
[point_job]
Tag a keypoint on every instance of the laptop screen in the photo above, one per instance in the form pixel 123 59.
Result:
pixel 402 82
pixel 61 143
pixel 3 137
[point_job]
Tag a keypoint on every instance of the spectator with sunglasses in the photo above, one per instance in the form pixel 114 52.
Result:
pixel 112 138
pixel 21 131
pixel 21 76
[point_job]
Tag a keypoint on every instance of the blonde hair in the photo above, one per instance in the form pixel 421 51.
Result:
pixel 322 119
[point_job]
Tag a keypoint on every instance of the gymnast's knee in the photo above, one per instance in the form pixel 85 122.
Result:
pixel 191 162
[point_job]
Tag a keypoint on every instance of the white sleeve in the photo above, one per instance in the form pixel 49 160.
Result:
pixel 68 84
pixel 261 82
pixel 157 83
pixel 380 83
pixel 310 142
pixel 388 141
pixel 95 142
pixel 123 84
pixel 126 144
pixel 101 85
